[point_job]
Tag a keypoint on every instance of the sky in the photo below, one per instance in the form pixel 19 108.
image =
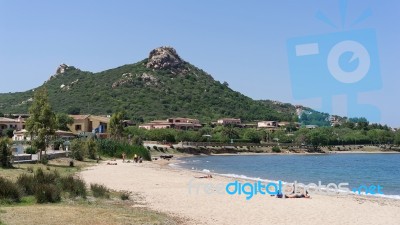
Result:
pixel 242 42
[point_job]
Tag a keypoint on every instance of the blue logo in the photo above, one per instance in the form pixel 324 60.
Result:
pixel 342 63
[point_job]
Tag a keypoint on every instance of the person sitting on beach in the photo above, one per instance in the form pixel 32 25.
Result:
pixel 112 164
pixel 205 176
pixel 298 195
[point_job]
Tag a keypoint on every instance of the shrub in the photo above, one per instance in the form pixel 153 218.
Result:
pixel 125 195
pixel 31 150
pixel 47 193
pixel 9 190
pixel 91 148
pixel 5 153
pixel 27 183
pixel 78 149
pixel 74 186
pixel 44 160
pixel 42 177
pixel 112 148
pixel 276 149
pixel 100 191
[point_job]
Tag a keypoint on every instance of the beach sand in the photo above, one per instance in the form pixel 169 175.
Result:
pixel 166 189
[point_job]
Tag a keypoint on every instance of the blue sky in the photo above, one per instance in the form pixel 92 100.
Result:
pixel 241 42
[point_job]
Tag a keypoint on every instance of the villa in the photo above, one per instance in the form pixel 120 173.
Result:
pixel 14 124
pixel 229 121
pixel 89 124
pixel 175 123
pixel 268 124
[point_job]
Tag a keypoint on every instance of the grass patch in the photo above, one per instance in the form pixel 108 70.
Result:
pixel 102 212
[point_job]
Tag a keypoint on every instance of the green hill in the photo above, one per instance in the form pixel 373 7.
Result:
pixel 160 86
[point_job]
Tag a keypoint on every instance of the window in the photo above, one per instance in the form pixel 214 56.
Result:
pixel 78 127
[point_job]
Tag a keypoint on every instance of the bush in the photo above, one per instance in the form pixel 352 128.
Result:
pixel 31 150
pixel 276 149
pixel 47 193
pixel 42 177
pixel 91 148
pixel 9 190
pixel 74 186
pixel 78 149
pixel 100 191
pixel 27 183
pixel 44 160
pixel 5 153
pixel 125 195
pixel 112 148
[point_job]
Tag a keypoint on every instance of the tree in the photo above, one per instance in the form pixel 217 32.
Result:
pixel 116 125
pixel 8 133
pixel 74 111
pixel 91 148
pixel 42 122
pixel 230 132
pixel 397 138
pixel 317 138
pixel 62 121
pixel 253 135
pixel 5 153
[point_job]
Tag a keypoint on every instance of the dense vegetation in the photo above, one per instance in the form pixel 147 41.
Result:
pixel 348 133
pixel 92 149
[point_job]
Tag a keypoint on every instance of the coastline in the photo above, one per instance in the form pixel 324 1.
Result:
pixel 165 188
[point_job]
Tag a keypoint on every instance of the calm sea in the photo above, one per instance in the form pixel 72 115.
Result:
pixel 355 169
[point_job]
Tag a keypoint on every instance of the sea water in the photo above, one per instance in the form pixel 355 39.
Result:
pixel 355 169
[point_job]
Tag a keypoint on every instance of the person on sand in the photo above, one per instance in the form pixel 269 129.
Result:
pixel 135 158
pixel 298 195
pixel 123 157
pixel 205 176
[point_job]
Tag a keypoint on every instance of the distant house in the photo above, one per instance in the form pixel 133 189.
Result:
pixel 89 124
pixel 14 124
pixel 174 123
pixel 267 124
pixel 227 121
pixel 23 135
pixel 311 126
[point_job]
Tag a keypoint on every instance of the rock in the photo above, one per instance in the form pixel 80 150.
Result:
pixel 62 68
pixel 135 80
pixel 164 58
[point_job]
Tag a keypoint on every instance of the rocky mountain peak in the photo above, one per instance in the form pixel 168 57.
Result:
pixel 62 68
pixel 164 58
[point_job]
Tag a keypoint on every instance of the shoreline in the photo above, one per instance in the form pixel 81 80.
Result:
pixel 167 189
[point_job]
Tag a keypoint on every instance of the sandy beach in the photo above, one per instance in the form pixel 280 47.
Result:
pixel 177 192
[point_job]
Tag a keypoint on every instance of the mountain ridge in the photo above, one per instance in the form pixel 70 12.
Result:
pixel 160 86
